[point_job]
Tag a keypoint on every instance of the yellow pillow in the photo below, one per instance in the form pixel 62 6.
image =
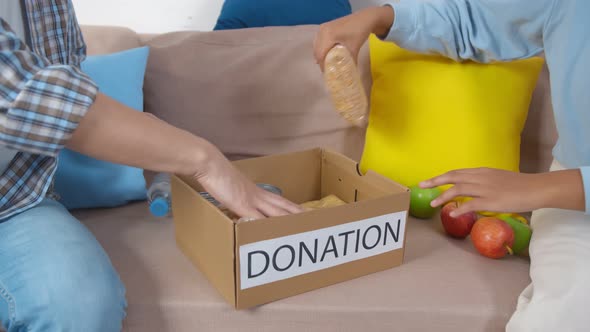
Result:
pixel 430 114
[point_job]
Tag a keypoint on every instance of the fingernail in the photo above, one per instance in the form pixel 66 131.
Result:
pixel 453 214
pixel 434 203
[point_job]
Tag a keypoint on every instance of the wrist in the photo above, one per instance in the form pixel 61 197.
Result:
pixel 200 158
pixel 540 190
pixel 560 190
pixel 384 17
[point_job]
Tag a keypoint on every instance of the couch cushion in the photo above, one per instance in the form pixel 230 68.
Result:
pixel 79 179
pixel 538 138
pixel 444 285
pixel 428 117
pixel 107 39
pixel 251 92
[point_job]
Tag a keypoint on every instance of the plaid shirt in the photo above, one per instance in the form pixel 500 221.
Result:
pixel 43 97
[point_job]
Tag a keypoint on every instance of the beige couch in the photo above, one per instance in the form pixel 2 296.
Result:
pixel 255 92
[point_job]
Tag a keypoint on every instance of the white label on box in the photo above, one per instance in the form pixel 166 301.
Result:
pixel 277 259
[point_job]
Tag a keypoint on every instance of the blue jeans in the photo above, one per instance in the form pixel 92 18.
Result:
pixel 55 276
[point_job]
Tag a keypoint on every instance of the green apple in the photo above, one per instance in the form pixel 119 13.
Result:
pixel 522 234
pixel 420 202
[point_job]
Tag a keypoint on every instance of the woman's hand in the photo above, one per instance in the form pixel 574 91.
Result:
pixel 504 191
pixel 352 31
pixel 231 188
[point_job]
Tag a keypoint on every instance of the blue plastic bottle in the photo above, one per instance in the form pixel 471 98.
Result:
pixel 159 194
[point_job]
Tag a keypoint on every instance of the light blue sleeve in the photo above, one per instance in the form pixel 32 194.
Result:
pixel 478 30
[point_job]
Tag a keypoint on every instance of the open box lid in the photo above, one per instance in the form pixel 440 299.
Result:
pixel 305 176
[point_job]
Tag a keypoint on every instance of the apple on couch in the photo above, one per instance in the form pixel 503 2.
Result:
pixel 459 226
pixel 492 237
pixel 420 200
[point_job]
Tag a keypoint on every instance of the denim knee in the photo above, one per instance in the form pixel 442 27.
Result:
pixel 94 304
pixel 55 276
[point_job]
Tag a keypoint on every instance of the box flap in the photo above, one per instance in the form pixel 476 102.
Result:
pixel 296 174
pixel 340 176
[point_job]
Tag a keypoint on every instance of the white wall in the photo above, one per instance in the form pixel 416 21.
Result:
pixel 357 4
pixel 150 16
pixel 157 16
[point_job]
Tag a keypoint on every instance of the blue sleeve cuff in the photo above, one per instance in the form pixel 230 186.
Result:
pixel 586 179
pixel 404 23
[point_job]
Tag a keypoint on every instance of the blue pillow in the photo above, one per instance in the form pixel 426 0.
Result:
pixel 84 182
pixel 240 14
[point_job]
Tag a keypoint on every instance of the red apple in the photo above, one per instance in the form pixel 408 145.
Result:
pixel 492 237
pixel 459 226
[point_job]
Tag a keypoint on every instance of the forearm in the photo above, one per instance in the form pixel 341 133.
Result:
pixel 112 132
pixel 561 190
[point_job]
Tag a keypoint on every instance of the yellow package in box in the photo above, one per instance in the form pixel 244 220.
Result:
pixel 431 114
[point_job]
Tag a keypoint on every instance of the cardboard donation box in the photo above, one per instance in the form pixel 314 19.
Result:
pixel 256 262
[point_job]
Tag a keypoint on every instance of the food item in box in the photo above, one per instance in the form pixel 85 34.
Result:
pixel 228 212
pixel 345 86
pixel 326 202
